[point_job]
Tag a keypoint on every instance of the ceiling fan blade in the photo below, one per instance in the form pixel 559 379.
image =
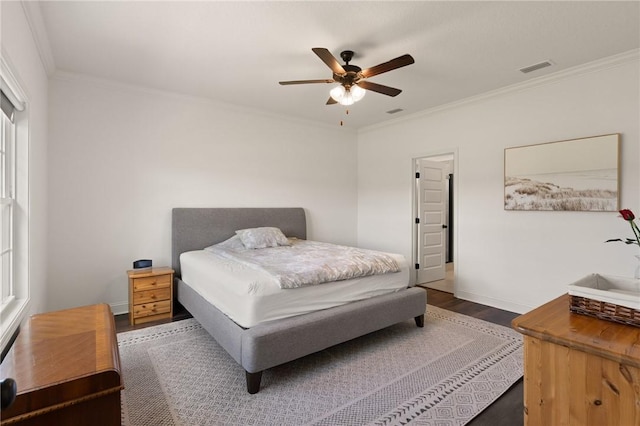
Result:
pixel 399 62
pixel 326 80
pixel 375 87
pixel 331 101
pixel 329 59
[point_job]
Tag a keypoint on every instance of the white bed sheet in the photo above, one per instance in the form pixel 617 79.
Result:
pixel 250 297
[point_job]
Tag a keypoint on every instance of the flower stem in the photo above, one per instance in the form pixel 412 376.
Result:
pixel 636 231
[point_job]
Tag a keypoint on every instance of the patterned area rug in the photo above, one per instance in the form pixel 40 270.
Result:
pixel 443 374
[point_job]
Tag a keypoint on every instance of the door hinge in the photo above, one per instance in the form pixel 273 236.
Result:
pixel 417 266
pixel 417 175
pixel 417 220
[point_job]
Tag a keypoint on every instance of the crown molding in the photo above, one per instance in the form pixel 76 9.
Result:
pixel 38 30
pixel 589 67
pixel 108 84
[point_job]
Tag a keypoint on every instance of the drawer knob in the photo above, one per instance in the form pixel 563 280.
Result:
pixel 597 402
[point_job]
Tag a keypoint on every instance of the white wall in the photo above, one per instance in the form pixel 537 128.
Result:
pixel 514 260
pixel 20 52
pixel 120 158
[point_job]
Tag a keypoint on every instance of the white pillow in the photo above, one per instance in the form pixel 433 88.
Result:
pixel 255 238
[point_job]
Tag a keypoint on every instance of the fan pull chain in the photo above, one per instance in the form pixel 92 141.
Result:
pixel 346 113
pixel 342 122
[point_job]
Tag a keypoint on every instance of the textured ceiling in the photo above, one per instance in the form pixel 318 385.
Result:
pixel 236 52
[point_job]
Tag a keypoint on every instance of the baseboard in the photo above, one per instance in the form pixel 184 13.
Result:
pixel 119 308
pixel 495 303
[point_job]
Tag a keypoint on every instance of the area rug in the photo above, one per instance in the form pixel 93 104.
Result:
pixel 443 374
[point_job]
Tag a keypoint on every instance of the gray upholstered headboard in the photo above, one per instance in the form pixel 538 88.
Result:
pixel 197 228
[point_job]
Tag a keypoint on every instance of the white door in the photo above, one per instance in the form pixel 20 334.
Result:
pixel 430 220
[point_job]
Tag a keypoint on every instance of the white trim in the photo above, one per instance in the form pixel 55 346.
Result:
pixel 496 303
pixel 10 85
pixel 601 64
pixel 119 308
pixel 66 76
pixel 33 13
pixel 14 312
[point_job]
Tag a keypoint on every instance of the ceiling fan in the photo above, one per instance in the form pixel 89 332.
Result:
pixel 352 79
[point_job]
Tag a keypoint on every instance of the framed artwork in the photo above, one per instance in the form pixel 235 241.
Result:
pixel 574 175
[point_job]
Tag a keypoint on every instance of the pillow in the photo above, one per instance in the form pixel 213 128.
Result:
pixel 255 238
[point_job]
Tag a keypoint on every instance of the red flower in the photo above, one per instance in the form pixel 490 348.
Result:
pixel 627 214
pixel 629 217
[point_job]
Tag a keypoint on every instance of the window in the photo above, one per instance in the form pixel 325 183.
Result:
pixel 14 205
pixel 7 203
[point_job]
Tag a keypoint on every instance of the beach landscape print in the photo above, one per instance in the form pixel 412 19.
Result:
pixel 574 175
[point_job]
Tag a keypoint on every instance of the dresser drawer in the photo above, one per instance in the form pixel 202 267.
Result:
pixel 150 283
pixel 155 295
pixel 154 308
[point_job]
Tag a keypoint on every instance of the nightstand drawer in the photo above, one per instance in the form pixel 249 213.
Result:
pixel 150 283
pixel 155 295
pixel 154 308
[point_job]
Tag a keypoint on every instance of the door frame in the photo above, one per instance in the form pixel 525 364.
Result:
pixel 434 155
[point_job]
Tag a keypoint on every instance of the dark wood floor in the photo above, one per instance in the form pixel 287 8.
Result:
pixel 506 411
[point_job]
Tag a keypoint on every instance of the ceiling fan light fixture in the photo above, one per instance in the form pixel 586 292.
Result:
pixel 347 95
pixel 337 93
pixel 357 92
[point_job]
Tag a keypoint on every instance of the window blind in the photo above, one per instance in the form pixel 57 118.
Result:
pixel 10 95
pixel 7 106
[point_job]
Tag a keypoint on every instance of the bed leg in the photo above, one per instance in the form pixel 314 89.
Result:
pixel 420 320
pixel 253 381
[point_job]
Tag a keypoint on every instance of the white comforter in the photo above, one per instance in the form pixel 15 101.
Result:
pixel 303 262
pixel 251 296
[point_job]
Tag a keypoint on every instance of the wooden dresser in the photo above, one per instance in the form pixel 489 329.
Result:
pixel 67 368
pixel 579 370
pixel 150 294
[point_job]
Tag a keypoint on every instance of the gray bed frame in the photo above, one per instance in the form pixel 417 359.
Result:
pixel 277 342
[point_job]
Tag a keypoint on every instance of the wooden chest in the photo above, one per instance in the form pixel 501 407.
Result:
pixel 67 368
pixel 579 370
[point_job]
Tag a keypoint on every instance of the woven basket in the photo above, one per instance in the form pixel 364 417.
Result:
pixel 605 310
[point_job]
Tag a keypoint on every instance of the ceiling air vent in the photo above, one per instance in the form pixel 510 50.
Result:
pixel 536 67
pixel 394 111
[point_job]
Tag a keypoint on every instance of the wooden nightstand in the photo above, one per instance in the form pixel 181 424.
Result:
pixel 150 295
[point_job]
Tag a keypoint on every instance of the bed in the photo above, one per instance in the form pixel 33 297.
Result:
pixel 278 341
